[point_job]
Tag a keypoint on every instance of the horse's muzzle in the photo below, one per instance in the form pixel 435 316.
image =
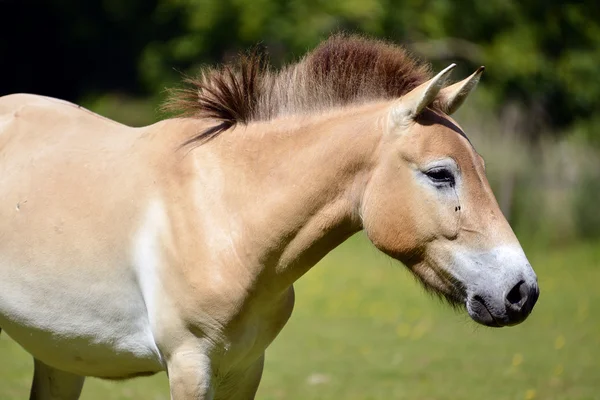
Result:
pixel 512 309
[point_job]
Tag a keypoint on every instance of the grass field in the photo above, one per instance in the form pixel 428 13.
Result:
pixel 363 329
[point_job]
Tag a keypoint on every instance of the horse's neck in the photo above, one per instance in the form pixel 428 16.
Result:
pixel 296 190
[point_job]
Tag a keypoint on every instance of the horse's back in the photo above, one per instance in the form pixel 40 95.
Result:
pixel 51 149
pixel 34 127
pixel 43 110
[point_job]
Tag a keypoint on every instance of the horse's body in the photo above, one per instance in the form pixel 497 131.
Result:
pixel 123 254
pixel 92 213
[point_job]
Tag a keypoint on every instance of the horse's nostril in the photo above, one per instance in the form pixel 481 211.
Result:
pixel 517 296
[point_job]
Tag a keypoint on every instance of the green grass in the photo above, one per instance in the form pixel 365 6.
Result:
pixel 363 329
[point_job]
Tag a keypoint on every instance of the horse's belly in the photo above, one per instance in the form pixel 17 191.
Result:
pixel 87 326
pixel 103 355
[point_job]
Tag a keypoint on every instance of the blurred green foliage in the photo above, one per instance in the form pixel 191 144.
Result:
pixel 541 55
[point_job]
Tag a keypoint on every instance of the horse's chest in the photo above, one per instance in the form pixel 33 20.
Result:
pixel 251 334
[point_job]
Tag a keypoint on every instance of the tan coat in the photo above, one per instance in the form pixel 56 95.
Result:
pixel 124 254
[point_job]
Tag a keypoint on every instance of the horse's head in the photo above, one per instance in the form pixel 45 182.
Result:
pixel 429 204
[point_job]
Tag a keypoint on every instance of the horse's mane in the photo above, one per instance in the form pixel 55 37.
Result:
pixel 342 70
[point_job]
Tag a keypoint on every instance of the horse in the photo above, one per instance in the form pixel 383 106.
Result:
pixel 127 251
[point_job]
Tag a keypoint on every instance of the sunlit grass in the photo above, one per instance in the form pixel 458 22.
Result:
pixel 363 329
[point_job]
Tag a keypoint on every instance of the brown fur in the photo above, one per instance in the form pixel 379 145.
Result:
pixel 342 70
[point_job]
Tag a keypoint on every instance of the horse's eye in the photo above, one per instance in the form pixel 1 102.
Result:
pixel 441 175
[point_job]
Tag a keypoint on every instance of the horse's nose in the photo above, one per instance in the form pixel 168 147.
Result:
pixel 520 300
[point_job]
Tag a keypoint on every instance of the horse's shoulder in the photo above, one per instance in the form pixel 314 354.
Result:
pixel 43 110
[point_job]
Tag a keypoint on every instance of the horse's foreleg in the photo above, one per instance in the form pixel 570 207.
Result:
pixel 52 384
pixel 241 385
pixel 190 376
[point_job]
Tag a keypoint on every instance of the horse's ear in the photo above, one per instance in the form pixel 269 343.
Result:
pixel 412 103
pixel 452 97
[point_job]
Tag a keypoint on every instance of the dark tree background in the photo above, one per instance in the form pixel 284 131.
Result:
pixel 542 56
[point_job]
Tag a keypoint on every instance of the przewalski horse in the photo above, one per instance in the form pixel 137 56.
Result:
pixel 173 247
